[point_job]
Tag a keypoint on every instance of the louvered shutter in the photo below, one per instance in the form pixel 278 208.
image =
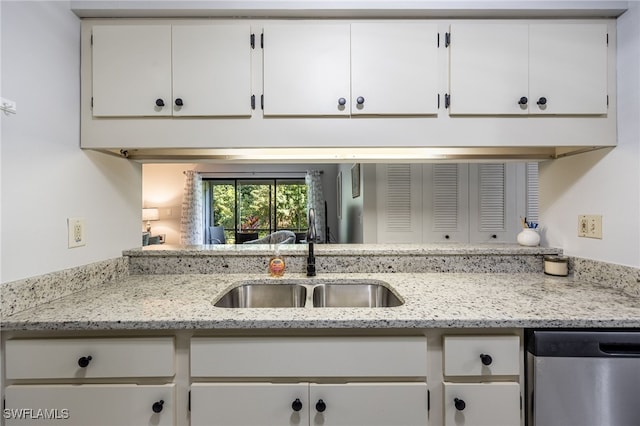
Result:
pixel 445 202
pixel 399 203
pixel 532 199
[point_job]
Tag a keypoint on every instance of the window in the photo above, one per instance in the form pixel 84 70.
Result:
pixel 253 208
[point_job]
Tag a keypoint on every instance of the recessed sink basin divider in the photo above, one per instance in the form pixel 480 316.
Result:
pixel 316 294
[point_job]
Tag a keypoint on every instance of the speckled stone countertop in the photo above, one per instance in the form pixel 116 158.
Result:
pixel 454 300
pixel 341 249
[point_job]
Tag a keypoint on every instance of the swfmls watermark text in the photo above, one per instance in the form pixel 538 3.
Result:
pixel 36 413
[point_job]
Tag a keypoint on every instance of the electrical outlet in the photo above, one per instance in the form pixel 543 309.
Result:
pixel 590 226
pixel 77 232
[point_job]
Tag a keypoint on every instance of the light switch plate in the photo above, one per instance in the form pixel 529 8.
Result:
pixel 590 226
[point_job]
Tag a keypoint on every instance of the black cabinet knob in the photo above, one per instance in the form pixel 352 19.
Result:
pixel 486 359
pixel 179 102
pixel 523 100
pixel 296 405
pixel 157 406
pixel 494 236
pixel 446 237
pixel 342 101
pixel 542 101
pixel 460 404
pixel 321 406
pixel 84 361
pixel 159 102
pixel 360 100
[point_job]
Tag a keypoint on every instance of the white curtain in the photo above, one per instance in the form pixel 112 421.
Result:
pixel 315 200
pixel 191 224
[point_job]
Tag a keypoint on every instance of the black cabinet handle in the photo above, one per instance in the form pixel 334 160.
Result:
pixel 321 406
pixel 486 359
pixel 542 101
pixel 159 102
pixel 523 100
pixel 360 100
pixel 342 101
pixel 296 405
pixel 157 406
pixel 84 361
pixel 179 102
pixel 460 404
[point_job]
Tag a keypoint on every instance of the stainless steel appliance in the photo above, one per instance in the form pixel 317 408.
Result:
pixel 583 378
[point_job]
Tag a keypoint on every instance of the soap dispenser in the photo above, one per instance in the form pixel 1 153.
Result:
pixel 276 264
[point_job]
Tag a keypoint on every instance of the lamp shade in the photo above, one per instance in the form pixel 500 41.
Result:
pixel 150 214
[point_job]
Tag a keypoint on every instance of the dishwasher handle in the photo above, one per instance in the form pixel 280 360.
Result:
pixel 621 349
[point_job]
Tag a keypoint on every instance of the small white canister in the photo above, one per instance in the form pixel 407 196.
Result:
pixel 556 265
pixel 528 237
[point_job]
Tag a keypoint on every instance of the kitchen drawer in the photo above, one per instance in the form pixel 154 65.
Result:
pixel 95 405
pixel 309 357
pixel 63 358
pixel 481 355
pixel 482 404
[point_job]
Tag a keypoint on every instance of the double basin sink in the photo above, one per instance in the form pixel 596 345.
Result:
pixel 319 294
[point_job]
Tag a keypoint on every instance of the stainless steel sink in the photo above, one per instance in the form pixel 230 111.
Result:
pixel 264 296
pixel 354 296
pixel 328 293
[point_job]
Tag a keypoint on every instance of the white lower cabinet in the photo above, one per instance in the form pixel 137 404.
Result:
pixel 481 404
pixel 277 404
pixel 95 405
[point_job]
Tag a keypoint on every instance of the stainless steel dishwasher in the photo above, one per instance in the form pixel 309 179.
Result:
pixel 583 378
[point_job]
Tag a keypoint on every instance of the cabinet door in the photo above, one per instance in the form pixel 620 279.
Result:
pixel 306 69
pixel 399 203
pixel 493 202
pixel 211 70
pixel 95 405
pixel 131 70
pixel 394 68
pixel 488 68
pixel 249 404
pixel 371 404
pixel 446 202
pixel 482 404
pixel 568 68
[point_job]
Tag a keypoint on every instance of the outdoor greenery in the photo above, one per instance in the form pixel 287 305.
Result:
pixel 261 206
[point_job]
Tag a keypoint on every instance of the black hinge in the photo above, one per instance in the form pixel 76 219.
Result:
pixel 447 100
pixel 189 402
pixel 607 100
pixel 253 101
pixel 261 101
pixel 438 100
pixel 252 40
pixel 428 400
pixel 447 39
pixel 262 41
pixel 438 41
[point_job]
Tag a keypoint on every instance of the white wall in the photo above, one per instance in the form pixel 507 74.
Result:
pixel 163 186
pixel 46 177
pixel 606 183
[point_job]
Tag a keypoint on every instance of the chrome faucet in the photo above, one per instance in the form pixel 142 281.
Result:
pixel 311 237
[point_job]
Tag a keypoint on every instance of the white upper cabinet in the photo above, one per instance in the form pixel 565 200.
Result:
pixel 165 70
pixel 528 69
pixel 131 70
pixel 211 70
pixel 568 68
pixel 488 68
pixel 350 69
pixel 394 68
pixel 306 69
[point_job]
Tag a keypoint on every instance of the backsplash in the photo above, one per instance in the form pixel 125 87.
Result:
pixel 625 278
pixel 25 294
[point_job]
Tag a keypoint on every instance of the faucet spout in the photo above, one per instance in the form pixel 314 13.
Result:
pixel 311 237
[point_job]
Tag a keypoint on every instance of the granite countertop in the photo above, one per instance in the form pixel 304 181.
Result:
pixel 341 249
pixel 449 300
